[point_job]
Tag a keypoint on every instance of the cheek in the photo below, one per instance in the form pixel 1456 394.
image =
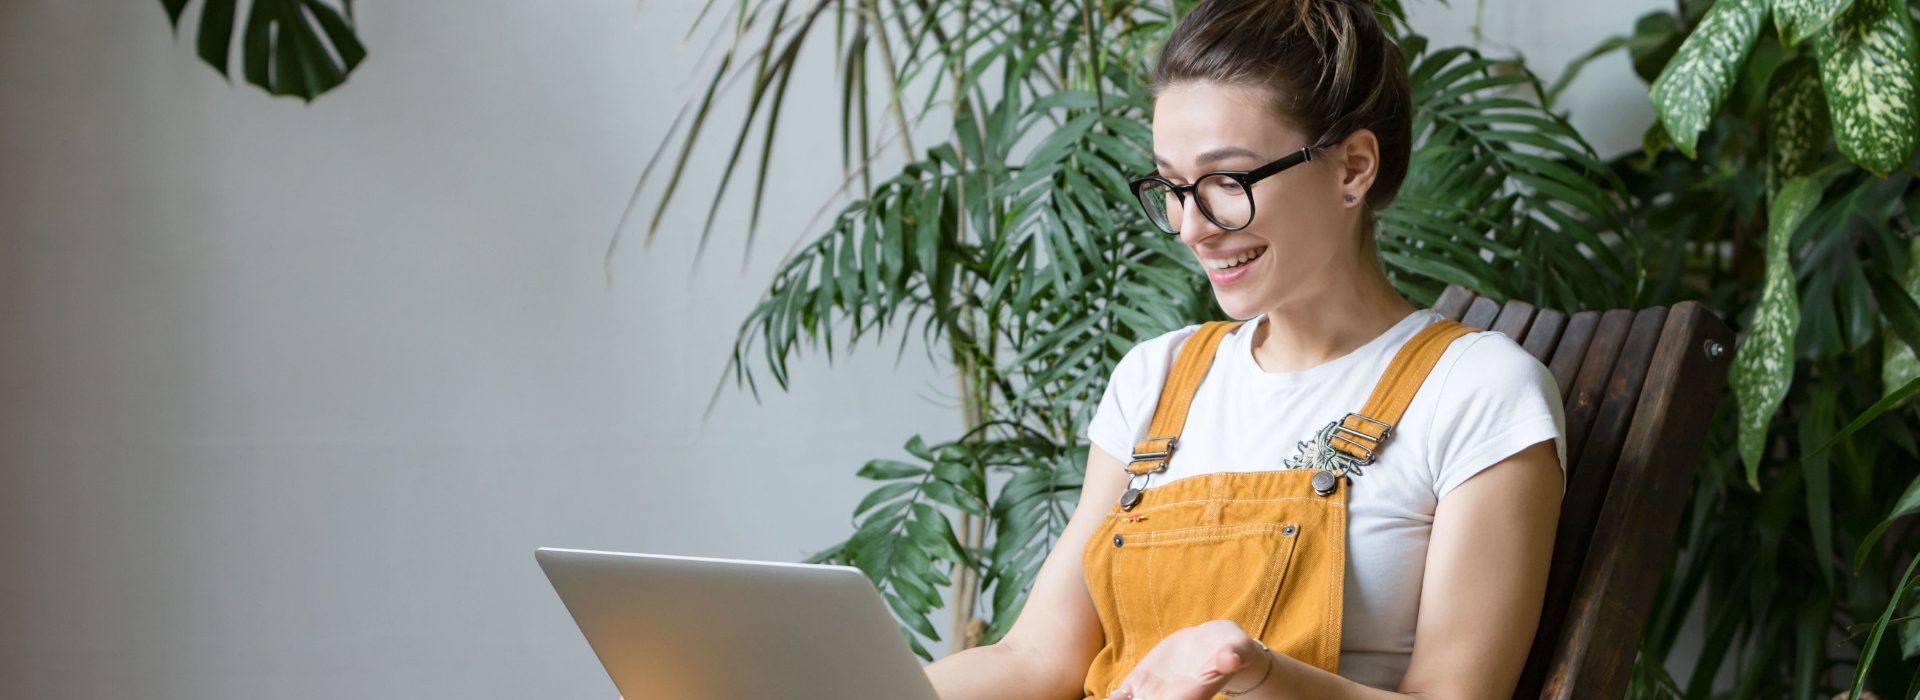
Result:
pixel 1297 215
pixel 1309 212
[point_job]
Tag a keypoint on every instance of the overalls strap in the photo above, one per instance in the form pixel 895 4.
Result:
pixel 1176 396
pixel 1360 434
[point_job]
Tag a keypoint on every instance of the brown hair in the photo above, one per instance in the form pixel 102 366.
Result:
pixel 1328 65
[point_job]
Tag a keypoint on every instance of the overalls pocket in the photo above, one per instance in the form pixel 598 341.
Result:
pixel 1185 576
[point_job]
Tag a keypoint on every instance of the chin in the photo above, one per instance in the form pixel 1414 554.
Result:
pixel 1237 305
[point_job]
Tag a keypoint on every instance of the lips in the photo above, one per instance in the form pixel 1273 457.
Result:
pixel 1227 270
pixel 1231 262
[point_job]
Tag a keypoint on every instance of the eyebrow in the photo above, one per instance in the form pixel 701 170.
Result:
pixel 1215 155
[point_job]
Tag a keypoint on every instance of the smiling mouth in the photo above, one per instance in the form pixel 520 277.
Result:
pixel 1233 262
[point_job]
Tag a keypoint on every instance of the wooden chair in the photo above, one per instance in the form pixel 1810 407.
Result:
pixel 1640 388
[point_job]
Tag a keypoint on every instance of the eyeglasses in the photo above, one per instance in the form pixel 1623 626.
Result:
pixel 1224 196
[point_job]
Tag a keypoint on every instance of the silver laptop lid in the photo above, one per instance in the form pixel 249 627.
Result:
pixel 689 627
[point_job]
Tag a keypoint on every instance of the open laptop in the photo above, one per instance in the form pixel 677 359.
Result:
pixel 689 627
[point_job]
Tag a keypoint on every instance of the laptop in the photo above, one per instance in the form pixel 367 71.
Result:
pixel 690 627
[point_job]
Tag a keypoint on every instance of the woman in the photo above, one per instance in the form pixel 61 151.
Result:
pixel 1343 497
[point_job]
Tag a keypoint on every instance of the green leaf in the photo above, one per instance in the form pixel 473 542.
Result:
pixel 917 446
pixel 281 51
pixel 1897 306
pixel 1887 402
pixel 1799 19
pixel 1868 61
pixel 1899 367
pixel 886 469
pixel 884 494
pixel 217 18
pixel 946 493
pixel 1639 41
pixel 1763 366
pixel 1690 89
pixel 1908 504
pixel 1815 426
pixel 1910 632
pixel 1797 123
pixel 174 8
pixel 1880 626
pixel 1649 61
pixel 1815 614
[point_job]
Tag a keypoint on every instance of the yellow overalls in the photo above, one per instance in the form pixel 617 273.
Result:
pixel 1264 549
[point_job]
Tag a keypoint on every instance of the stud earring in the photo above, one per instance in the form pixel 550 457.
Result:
pixel 1349 198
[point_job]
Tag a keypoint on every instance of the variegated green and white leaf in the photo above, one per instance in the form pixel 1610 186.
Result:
pixel 1763 366
pixel 1797 123
pixel 1799 19
pixel 1867 65
pixel 1900 366
pixel 1691 87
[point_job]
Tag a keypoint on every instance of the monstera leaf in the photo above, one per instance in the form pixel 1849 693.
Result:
pixel 300 48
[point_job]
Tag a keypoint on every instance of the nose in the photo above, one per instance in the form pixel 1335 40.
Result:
pixel 1195 226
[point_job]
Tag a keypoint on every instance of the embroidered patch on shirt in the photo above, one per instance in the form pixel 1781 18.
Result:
pixel 1319 453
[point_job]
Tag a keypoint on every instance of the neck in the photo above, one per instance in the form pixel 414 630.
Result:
pixel 1328 321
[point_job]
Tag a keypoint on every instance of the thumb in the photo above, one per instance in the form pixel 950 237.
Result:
pixel 1222 666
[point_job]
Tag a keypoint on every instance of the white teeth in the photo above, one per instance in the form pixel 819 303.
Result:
pixel 1233 262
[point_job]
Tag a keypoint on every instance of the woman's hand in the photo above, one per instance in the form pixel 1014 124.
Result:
pixel 1195 663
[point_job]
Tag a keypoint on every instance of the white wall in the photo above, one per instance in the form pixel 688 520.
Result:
pixel 289 393
pixel 1607 102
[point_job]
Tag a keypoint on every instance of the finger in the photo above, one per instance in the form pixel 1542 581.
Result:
pixel 1222 664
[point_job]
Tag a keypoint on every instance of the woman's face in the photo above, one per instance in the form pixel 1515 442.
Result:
pixel 1302 230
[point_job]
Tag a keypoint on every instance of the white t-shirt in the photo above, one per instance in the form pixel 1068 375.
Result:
pixel 1485 400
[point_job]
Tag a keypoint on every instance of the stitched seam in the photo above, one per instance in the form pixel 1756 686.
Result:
pixel 1220 530
pixel 1276 573
pixel 1203 538
pixel 1112 566
pixel 1333 587
pixel 1330 644
pixel 1153 601
pixel 1170 504
pixel 1119 605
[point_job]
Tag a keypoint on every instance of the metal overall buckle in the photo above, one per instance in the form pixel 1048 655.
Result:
pixel 1334 463
pixel 1136 481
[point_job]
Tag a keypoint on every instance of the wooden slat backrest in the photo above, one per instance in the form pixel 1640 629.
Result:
pixel 1639 388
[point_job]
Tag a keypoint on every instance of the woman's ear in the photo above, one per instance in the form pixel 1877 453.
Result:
pixel 1358 157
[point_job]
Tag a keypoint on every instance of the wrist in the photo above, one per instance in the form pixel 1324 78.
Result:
pixel 1256 669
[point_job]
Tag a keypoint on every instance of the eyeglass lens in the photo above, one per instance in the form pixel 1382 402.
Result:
pixel 1220 198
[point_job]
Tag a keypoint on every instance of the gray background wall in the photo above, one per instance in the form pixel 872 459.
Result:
pixel 289 393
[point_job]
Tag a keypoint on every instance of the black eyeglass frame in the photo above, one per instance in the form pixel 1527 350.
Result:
pixel 1246 178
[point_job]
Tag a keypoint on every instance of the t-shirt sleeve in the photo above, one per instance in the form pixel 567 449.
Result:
pixel 1133 391
pixel 1495 400
pixel 1112 427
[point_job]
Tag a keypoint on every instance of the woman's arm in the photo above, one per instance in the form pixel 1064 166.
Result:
pixel 1045 655
pixel 1486 579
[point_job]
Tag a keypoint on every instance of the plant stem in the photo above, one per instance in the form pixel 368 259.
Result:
pixel 893 79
